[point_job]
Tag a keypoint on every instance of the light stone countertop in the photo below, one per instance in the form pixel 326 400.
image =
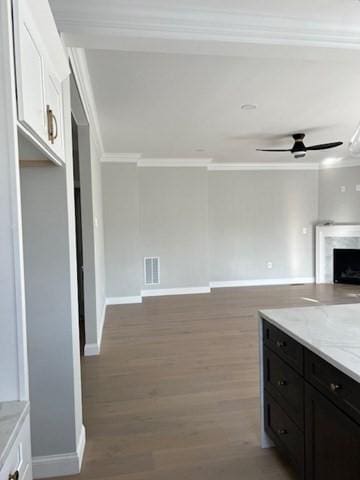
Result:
pixel 12 416
pixel 330 331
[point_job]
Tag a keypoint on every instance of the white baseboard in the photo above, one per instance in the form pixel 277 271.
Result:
pixel 175 291
pixel 262 282
pixel 61 464
pixel 92 349
pixel 123 300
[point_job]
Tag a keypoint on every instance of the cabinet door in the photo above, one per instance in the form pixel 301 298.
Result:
pixel 29 71
pixel 332 440
pixel 54 104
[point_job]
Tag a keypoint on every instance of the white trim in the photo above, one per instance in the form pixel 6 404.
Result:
pixel 352 162
pixel 174 291
pixel 263 166
pixel 92 349
pixel 136 158
pixel 121 157
pixel 123 300
pixel 81 72
pixel 262 282
pixel 323 231
pixel 174 162
pixel 205 25
pixel 62 464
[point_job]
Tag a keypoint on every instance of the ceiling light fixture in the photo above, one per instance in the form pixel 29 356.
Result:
pixel 248 106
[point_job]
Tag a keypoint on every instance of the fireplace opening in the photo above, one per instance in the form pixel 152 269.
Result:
pixel 347 266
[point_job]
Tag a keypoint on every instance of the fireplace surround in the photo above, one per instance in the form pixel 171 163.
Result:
pixel 329 238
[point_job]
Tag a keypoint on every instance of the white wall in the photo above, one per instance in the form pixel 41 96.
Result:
pixel 121 228
pixel 337 206
pixel 205 226
pixel 256 217
pixel 174 224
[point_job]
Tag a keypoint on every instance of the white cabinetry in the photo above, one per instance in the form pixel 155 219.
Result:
pixel 39 75
pixel 18 462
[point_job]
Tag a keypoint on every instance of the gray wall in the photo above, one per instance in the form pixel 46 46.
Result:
pixel 257 217
pixel 53 362
pixel 340 207
pixel 174 224
pixel 121 227
pixel 207 226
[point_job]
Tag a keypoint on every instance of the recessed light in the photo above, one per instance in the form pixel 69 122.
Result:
pixel 249 106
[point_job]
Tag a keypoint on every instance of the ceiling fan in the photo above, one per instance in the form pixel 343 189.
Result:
pixel 299 149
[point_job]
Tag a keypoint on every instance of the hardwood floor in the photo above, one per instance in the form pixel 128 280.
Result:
pixel 174 394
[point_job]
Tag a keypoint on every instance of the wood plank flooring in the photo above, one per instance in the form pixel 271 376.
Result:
pixel 175 392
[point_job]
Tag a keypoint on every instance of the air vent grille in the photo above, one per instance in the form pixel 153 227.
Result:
pixel 152 270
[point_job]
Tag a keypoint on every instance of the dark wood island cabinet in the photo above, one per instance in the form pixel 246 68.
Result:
pixel 311 410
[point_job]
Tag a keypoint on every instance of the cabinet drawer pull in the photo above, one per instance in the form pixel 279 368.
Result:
pixel 51 119
pixel 334 387
pixel 282 383
pixel 280 344
pixel 282 431
pixel 14 476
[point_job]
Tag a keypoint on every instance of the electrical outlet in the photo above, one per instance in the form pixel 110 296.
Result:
pixel 269 265
pixel 343 189
pixel 357 188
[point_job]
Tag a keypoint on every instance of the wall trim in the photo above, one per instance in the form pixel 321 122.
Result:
pixel 174 291
pixel 81 72
pixel 204 24
pixel 92 349
pixel 61 464
pixel 174 162
pixel 121 157
pixel 263 166
pixel 262 282
pixel 123 300
pixel 136 158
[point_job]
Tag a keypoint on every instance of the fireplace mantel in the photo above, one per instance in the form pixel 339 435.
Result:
pixel 322 233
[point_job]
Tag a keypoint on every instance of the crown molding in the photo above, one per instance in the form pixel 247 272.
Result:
pixel 121 157
pixel 81 72
pixel 263 166
pixel 136 158
pixel 119 19
pixel 352 162
pixel 174 162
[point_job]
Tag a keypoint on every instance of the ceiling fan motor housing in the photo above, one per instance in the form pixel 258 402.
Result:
pixel 299 149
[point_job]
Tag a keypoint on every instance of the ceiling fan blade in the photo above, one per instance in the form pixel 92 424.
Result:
pixel 325 146
pixel 272 150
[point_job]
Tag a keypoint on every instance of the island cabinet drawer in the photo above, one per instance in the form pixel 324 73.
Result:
pixel 335 385
pixel 285 434
pixel 18 462
pixel 285 385
pixel 284 346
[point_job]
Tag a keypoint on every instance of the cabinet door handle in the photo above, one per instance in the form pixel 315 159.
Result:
pixel 334 387
pixel 282 383
pixel 14 476
pixel 282 431
pixel 51 119
pixel 280 344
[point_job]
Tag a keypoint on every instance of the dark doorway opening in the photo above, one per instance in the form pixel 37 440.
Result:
pixel 79 236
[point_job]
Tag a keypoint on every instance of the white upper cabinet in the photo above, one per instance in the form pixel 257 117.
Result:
pixel 41 67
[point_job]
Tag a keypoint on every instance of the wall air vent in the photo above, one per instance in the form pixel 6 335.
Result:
pixel 152 270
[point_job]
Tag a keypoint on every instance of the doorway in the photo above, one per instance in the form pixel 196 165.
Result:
pixel 79 233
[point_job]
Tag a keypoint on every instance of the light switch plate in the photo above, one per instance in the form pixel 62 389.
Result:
pixel 357 188
pixel 343 189
pixel 304 231
pixel 269 265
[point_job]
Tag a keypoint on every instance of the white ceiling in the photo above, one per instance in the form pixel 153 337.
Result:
pixel 172 106
pixel 169 77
